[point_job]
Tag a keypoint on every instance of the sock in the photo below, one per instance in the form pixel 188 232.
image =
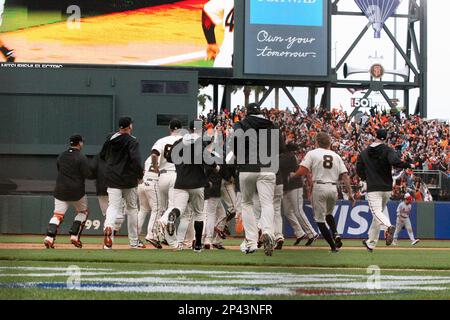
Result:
pixel 326 234
pixel 332 224
pixel 198 227
pixel 4 50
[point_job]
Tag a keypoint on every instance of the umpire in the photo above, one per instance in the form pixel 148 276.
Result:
pixel 123 171
pixel 374 166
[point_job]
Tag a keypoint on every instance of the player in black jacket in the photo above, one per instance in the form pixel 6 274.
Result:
pixel 123 172
pixel 73 169
pixel 187 155
pixel 374 166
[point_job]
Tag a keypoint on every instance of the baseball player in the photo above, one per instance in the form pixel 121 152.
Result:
pixel 374 165
pixel 73 169
pixel 256 176
pixel 327 168
pixel 189 187
pixel 123 173
pixel 293 201
pixel 403 221
pixel 160 179
pixel 216 12
pixel 7 53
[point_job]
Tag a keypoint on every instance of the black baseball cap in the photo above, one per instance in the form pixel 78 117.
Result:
pixel 175 124
pixel 381 134
pixel 125 122
pixel 253 108
pixel 292 146
pixel 75 139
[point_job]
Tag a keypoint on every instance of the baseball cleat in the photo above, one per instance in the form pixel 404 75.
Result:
pixel 335 251
pixel 218 246
pixel 389 235
pixel 338 241
pixel 310 241
pixel 154 243
pixel 268 244
pixel 279 244
pixel 106 248
pixel 164 242
pixel 198 249
pixel 10 57
pixel 49 242
pixel 297 242
pixel 107 241
pixel 138 245
pixel 415 242
pixel 367 246
pixel 207 247
pixel 173 215
pixel 250 251
pixel 76 242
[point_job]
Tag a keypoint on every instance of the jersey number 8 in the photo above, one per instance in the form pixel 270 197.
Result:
pixel 328 162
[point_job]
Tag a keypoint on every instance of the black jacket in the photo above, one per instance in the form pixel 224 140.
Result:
pixel 214 185
pixel 374 166
pixel 252 143
pixel 98 173
pixel 123 161
pixel 73 169
pixel 190 175
pixel 290 164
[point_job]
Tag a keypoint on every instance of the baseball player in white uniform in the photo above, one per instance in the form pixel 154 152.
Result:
pixel 327 168
pixel 216 12
pixel 403 221
pixel 7 53
pixel 160 179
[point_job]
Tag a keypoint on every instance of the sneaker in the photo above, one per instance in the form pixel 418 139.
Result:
pixel 218 246
pixel 154 243
pixel 389 235
pixel 279 244
pixel 207 247
pixel 338 241
pixel 107 241
pixel 415 242
pixel 76 242
pixel 268 244
pixel 310 241
pixel 10 57
pixel 138 245
pixel 197 249
pixel 171 222
pixel 49 242
pixel 370 249
pixel 297 242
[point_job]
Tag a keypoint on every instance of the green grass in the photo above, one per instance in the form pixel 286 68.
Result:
pixel 16 18
pixel 419 262
pixel 197 63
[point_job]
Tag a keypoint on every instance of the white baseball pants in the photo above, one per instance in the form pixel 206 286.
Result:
pixel 377 204
pixel 294 213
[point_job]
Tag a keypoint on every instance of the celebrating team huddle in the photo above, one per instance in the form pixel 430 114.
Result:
pixel 194 183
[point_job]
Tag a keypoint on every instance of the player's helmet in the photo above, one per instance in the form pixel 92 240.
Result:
pixel 409 198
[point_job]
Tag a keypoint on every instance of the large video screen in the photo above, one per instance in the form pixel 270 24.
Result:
pixel 191 33
pixel 286 37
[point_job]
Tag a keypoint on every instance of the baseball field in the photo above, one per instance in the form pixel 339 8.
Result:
pixel 27 271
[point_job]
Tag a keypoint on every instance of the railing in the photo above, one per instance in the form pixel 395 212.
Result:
pixel 434 179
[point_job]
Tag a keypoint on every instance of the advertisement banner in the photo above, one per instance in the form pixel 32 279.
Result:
pixel 286 37
pixel 354 222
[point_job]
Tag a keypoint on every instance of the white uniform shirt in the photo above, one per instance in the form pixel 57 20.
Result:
pixel 404 210
pixel 222 12
pixel 162 145
pixel 325 165
pixel 2 7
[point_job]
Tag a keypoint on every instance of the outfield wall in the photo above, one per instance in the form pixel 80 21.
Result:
pixel 28 214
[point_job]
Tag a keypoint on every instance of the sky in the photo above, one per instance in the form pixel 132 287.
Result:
pixel 346 29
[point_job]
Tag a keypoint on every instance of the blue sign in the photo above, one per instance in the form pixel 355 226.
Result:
pixel 442 221
pixel 287 12
pixel 354 222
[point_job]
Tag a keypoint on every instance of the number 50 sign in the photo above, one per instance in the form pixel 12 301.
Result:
pixel 361 103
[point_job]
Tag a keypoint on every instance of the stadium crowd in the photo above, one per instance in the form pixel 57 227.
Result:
pixel 423 143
